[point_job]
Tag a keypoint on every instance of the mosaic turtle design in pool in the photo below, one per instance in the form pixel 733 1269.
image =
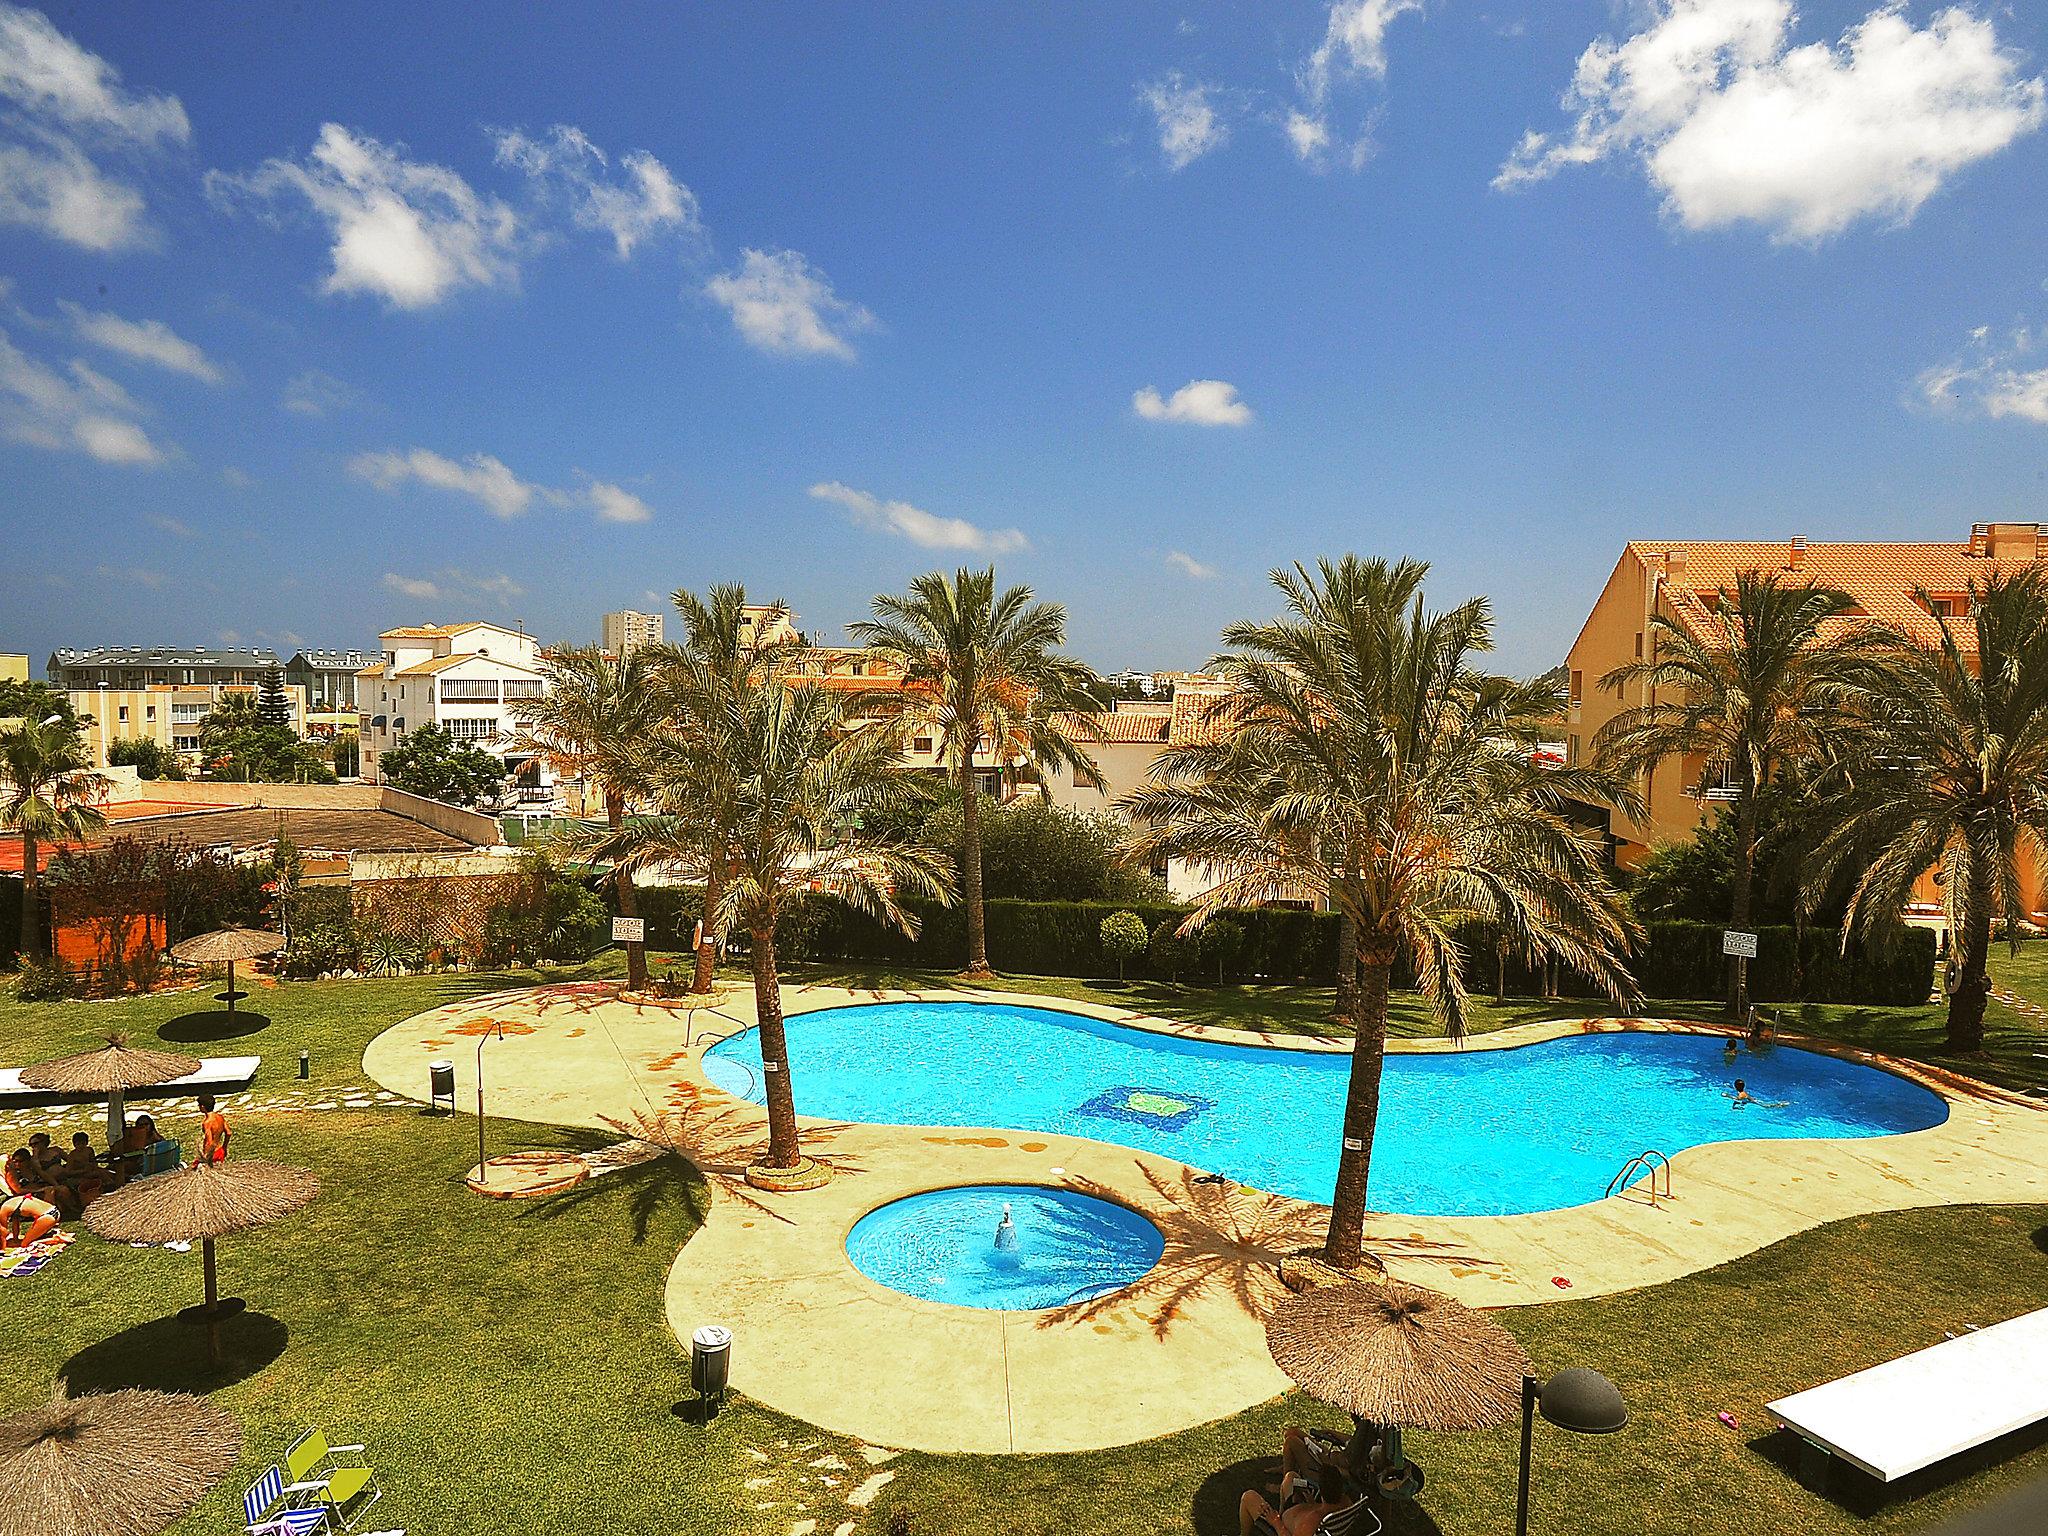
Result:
pixel 1166 1109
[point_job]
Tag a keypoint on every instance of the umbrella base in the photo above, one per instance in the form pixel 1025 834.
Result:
pixel 227 1307
pixel 232 995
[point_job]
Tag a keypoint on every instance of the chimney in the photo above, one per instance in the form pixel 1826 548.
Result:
pixel 1980 541
pixel 2019 543
pixel 1674 566
pixel 1795 556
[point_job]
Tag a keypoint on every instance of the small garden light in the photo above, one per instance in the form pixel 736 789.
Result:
pixel 1580 1400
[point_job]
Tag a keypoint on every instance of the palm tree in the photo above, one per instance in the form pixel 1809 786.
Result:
pixel 49 792
pixel 1947 769
pixel 808 785
pixel 594 717
pixel 1762 690
pixel 1360 758
pixel 726 650
pixel 981 669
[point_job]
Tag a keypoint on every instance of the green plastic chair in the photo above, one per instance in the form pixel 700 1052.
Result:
pixel 335 1476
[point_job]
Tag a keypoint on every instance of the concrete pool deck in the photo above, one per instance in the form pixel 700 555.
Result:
pixel 818 1340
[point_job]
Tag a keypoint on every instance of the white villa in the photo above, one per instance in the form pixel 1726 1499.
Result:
pixel 464 678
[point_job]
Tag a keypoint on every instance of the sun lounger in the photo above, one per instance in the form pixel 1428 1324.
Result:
pixel 216 1074
pixel 265 1512
pixel 1893 1419
pixel 333 1477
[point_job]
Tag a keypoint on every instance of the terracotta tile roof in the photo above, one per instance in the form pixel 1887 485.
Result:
pixel 439 631
pixel 1126 725
pixel 376 670
pixel 435 664
pixel 1196 716
pixel 1880 577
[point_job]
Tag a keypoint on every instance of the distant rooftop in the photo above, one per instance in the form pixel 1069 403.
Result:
pixel 166 656
pixel 332 658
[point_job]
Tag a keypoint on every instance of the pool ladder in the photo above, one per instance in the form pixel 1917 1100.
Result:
pixel 1643 1162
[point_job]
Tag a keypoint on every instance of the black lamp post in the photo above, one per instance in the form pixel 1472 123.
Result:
pixel 1582 1401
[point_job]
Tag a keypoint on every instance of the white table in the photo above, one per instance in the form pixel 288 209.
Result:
pixel 216 1074
pixel 1909 1413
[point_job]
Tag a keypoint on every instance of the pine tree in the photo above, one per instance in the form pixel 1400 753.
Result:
pixel 273 704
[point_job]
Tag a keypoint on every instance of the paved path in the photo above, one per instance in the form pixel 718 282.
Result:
pixel 818 1340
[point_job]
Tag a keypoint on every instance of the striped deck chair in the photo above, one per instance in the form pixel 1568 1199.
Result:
pixel 265 1513
pixel 333 1478
pixel 1351 1520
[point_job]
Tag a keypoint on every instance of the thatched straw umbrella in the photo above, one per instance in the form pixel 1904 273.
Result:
pixel 1399 1356
pixel 198 1205
pixel 111 1464
pixel 227 945
pixel 111 1071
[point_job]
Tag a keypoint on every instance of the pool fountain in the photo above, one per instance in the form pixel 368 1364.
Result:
pixel 1015 1248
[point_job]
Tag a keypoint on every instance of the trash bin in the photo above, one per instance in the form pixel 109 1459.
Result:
pixel 441 1084
pixel 710 1362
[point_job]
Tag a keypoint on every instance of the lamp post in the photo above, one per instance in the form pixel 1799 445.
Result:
pixel 1580 1400
pixel 483 1167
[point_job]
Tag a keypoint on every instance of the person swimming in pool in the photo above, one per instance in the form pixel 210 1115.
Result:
pixel 1743 1096
pixel 1730 1051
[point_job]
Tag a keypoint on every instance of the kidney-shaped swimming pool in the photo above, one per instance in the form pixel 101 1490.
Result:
pixel 1479 1132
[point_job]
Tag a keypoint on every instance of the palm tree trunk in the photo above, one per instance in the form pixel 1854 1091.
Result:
pixel 1345 1006
pixel 1345 1246
pixel 31 930
pixel 1973 979
pixel 707 947
pixel 783 1148
pixel 629 898
pixel 1745 878
pixel 970 870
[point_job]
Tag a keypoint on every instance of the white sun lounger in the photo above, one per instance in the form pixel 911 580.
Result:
pixel 1938 1402
pixel 215 1074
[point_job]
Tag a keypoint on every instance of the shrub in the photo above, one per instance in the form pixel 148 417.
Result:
pixel 1123 939
pixel 149 758
pixel 1171 952
pixel 44 981
pixel 324 936
pixel 1219 942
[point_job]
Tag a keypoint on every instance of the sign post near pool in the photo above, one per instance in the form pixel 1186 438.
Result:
pixel 1742 946
pixel 631 932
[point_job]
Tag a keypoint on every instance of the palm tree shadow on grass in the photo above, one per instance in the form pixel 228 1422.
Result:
pixel 1227 1237
pixel 166 1355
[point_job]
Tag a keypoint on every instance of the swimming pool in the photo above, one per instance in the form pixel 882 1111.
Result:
pixel 1478 1132
pixel 1009 1247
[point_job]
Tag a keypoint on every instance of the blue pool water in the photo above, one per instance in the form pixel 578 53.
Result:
pixel 1478 1132
pixel 1061 1247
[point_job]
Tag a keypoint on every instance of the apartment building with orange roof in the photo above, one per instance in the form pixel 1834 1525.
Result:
pixel 465 678
pixel 1682 580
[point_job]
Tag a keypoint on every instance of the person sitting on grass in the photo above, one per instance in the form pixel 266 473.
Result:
pixel 44 1151
pixel 81 1170
pixel 25 1219
pixel 25 1177
pixel 213 1133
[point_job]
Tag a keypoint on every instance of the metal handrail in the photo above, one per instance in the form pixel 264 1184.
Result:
pixel 1650 1160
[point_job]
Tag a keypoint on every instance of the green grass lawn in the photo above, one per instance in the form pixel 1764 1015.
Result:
pixel 510 1368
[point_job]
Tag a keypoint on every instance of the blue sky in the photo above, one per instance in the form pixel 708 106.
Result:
pixel 322 320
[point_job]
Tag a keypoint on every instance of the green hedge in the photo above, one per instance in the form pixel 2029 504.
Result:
pixel 1679 961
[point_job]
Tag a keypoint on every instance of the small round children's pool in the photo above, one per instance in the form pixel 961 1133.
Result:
pixel 955 1246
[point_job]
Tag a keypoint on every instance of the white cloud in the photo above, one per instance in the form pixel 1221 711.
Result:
pixel 141 576
pixel 904 521
pixel 781 303
pixel 1188 565
pixel 62 106
pixel 1354 43
pixel 176 527
pixel 405 231
pixel 147 341
pixel 84 412
pixel 489 482
pixel 1309 135
pixel 1993 381
pixel 416 587
pixel 616 504
pixel 645 202
pixel 313 393
pixel 1201 402
pixel 1188 122
pixel 237 477
pixel 1733 124
pixel 480 477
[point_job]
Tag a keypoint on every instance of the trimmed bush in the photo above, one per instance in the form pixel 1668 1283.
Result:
pixel 1123 939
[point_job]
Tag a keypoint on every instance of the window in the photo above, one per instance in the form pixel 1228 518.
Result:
pixel 1639 645
pixel 1572 751
pixel 124 714
pixel 474 690
pixel 1948 605
pixel 184 714
pixel 921 744
pixel 479 728
pixel 149 711
pixel 185 743
pixel 1722 782
pixel 1578 686
pixel 523 688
